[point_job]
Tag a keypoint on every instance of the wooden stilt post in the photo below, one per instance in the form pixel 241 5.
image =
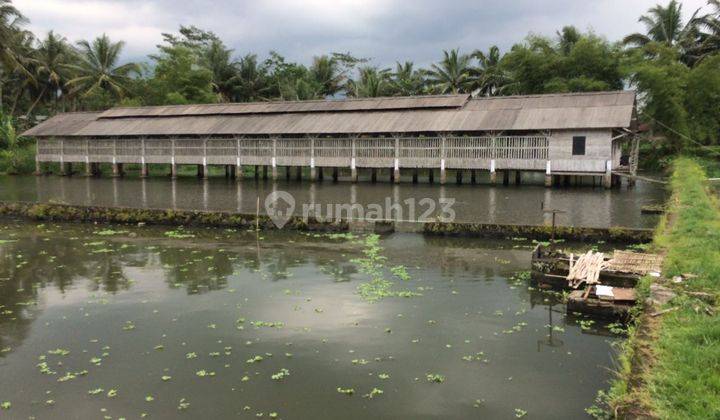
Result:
pixel 431 175
pixel 335 174
pixel 415 176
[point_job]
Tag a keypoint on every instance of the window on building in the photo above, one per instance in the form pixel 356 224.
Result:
pixel 578 145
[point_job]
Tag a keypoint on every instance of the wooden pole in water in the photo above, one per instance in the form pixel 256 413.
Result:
pixel 257 215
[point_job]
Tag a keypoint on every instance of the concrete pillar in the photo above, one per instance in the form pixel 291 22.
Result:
pixel 373 175
pixel 473 176
pixel 88 169
pixel 518 177
pixel 607 178
pixel 298 173
pixel 264 172
pixel 200 171
pixel 274 172
pixel 335 174
pixel 443 174
pixel 458 176
pixel 238 172
pixel 173 170
pixel 548 174
pixel 233 173
pixel 116 170
pixel 431 176
pixel 143 170
pixel 493 173
pixel 506 177
pixel 415 176
pixel 396 172
pixel 313 173
pixel 38 167
pixel 353 174
pixel 392 176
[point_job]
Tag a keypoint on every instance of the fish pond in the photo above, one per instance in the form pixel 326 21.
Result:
pixel 514 204
pixel 127 322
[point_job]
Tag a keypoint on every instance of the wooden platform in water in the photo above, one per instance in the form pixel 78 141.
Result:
pixel 616 307
pixel 550 268
pixel 601 285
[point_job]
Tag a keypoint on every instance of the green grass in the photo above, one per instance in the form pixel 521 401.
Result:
pixel 674 364
pixel 685 382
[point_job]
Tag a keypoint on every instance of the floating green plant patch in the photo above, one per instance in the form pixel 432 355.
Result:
pixel 375 392
pixel 434 377
pixel 346 391
pixel 281 375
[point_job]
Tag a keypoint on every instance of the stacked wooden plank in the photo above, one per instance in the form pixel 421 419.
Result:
pixel 586 269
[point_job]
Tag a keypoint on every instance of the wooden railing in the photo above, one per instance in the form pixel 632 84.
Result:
pixel 462 152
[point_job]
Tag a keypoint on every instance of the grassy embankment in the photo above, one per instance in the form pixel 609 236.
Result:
pixel 669 367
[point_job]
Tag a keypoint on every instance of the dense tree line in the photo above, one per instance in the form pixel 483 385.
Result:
pixel 674 65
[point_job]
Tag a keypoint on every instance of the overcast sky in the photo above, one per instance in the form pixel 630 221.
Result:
pixel 384 30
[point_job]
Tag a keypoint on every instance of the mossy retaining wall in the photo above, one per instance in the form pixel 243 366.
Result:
pixel 126 215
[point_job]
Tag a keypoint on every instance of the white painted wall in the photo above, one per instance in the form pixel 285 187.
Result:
pixel 598 149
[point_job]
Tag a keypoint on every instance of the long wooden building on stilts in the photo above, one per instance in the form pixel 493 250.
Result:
pixel 560 135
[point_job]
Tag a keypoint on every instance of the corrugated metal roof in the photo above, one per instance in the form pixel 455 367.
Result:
pixel 421 114
pixel 291 107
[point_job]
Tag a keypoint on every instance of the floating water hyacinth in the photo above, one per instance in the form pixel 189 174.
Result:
pixel 346 391
pixel 434 377
pixel 373 393
pixel 281 375
pixel 519 413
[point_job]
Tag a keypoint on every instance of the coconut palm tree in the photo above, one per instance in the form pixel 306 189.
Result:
pixel 252 80
pixel 50 63
pixel 329 73
pixel 99 69
pixel 217 58
pixel 12 41
pixel 10 21
pixel 710 23
pixel 407 81
pixel 491 78
pixel 452 75
pixel 372 83
pixel 664 25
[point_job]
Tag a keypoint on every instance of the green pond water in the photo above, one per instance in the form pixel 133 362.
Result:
pixel 124 322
